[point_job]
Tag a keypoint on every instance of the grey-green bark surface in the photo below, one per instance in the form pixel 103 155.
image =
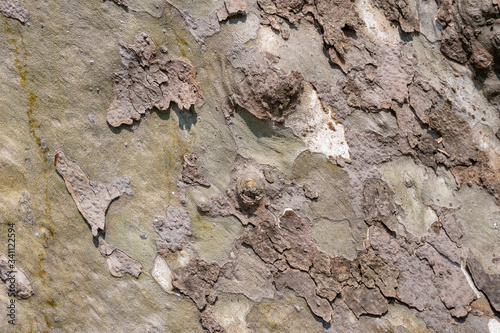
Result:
pixel 250 166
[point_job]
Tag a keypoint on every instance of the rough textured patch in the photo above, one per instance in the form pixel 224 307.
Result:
pixel 379 204
pixel 362 300
pixel 480 173
pixel 376 273
pixel 196 280
pixel 91 197
pixel 419 264
pixel 404 12
pixel 462 23
pixel 268 92
pixel 235 7
pixel 14 9
pixel 24 210
pixel 285 313
pixel 456 133
pixel 285 241
pixel 149 79
pixel 123 185
pixel 172 229
pixel 191 173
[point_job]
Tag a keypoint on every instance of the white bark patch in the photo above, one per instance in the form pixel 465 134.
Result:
pixel 231 311
pixel 377 26
pixel 269 40
pixel 317 127
pixel 494 326
pixel 162 274
pixel 471 283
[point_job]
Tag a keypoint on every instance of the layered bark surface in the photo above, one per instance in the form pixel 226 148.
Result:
pixel 291 166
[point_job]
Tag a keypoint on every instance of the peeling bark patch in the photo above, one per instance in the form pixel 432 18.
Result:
pixel 197 280
pixel 201 29
pixel 123 185
pixel 422 273
pixel 119 263
pixel 479 173
pixel 463 23
pixel 252 197
pixel 162 274
pixel 428 280
pixel 238 276
pixel 231 8
pixel 24 209
pixel 377 75
pixel 191 173
pixel 486 282
pixel 150 78
pixel 404 12
pixel 14 9
pixel 92 198
pixel 195 277
pixel 379 203
pixel 303 286
pixel 362 300
pixel 267 92
pixel 22 285
pixel 470 35
pixel 312 274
